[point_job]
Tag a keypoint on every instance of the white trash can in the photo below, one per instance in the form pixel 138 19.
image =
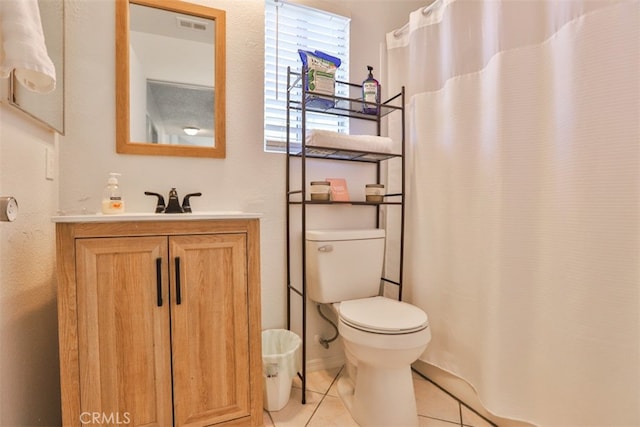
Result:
pixel 281 360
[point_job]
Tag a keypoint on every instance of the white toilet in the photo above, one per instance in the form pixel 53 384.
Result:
pixel 382 337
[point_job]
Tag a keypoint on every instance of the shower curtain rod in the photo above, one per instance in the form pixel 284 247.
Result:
pixel 426 11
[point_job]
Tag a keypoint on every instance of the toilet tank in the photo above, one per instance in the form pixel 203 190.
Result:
pixel 344 264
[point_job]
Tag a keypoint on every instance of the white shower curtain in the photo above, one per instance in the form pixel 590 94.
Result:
pixel 523 219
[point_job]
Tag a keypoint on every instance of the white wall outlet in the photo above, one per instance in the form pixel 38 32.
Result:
pixel 50 168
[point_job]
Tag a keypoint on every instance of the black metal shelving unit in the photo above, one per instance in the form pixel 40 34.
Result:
pixel 345 107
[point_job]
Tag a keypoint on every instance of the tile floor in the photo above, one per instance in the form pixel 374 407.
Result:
pixel 324 407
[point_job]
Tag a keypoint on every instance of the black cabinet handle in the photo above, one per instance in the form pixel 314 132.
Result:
pixel 178 295
pixel 159 281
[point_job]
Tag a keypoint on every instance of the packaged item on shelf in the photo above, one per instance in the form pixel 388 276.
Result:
pixel 319 71
pixel 370 93
pixel 320 190
pixel 374 192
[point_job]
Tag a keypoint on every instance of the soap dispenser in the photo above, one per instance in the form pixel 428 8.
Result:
pixel 370 93
pixel 112 202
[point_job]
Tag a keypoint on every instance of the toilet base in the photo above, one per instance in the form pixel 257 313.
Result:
pixel 381 397
pixel 346 390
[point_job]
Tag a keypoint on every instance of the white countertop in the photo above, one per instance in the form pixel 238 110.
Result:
pixel 156 217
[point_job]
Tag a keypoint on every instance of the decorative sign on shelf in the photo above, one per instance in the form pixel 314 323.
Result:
pixel 339 191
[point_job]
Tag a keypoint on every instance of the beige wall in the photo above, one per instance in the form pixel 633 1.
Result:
pixel 248 179
pixel 29 386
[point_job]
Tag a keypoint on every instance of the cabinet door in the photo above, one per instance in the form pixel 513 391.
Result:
pixel 124 350
pixel 209 322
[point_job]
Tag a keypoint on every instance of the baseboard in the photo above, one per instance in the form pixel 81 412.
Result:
pixel 325 363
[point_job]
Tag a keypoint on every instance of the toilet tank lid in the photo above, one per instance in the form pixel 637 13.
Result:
pixel 334 235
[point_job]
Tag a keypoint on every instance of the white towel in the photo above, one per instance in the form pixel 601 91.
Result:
pixel 23 47
pixel 368 143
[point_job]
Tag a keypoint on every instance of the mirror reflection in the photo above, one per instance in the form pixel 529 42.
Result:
pixel 171 71
pixel 177 113
pixel 173 57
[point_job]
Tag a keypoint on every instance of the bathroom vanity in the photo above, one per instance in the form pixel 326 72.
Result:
pixel 159 319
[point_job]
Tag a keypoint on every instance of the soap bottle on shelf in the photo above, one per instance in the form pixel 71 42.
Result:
pixel 370 93
pixel 112 202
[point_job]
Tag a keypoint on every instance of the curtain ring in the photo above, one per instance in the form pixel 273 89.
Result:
pixel 399 31
pixel 428 10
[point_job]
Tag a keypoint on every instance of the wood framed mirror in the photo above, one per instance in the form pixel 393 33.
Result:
pixel 170 78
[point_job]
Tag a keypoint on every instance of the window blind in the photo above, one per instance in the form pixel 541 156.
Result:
pixel 289 27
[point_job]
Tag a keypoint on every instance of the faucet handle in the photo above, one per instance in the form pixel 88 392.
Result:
pixel 185 202
pixel 160 207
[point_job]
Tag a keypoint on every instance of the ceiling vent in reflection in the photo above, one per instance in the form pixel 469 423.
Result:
pixel 190 24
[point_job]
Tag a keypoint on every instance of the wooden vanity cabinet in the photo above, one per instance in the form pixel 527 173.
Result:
pixel 159 322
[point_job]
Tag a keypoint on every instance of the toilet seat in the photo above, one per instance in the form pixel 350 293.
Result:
pixel 399 317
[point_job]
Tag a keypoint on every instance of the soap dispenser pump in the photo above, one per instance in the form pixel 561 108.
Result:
pixel 112 201
pixel 370 93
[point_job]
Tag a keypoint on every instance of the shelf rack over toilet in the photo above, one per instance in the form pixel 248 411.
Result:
pixel 350 108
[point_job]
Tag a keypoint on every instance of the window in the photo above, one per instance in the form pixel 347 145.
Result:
pixel 289 27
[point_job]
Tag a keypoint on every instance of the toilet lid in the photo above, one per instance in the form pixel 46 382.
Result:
pixel 383 315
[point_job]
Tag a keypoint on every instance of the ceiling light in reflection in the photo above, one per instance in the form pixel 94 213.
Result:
pixel 190 130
